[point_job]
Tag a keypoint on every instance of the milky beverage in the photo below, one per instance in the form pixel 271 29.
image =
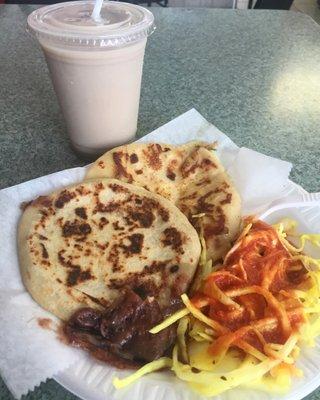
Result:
pixel 98 94
pixel 96 68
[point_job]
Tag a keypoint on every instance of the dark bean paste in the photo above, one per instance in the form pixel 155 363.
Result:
pixel 120 335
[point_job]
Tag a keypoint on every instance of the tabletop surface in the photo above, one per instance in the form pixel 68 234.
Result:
pixel 253 74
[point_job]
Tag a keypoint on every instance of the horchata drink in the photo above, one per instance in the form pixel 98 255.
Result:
pixel 96 68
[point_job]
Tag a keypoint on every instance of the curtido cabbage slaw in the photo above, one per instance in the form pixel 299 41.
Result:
pixel 246 319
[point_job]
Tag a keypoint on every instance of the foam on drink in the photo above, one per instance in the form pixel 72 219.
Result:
pixel 96 68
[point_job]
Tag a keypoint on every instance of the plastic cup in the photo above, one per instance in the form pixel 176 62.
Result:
pixel 96 68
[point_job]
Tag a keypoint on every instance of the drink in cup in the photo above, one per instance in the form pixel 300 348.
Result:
pixel 96 68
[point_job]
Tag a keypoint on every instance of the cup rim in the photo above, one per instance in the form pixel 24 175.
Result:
pixel 97 37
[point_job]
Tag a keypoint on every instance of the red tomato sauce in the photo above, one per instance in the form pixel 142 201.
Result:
pixel 251 295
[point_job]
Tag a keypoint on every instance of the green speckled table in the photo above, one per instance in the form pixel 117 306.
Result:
pixel 254 74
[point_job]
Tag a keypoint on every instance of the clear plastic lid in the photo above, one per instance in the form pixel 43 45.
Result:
pixel 71 24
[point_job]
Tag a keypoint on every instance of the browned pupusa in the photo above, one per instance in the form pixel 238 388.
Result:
pixel 80 245
pixel 190 176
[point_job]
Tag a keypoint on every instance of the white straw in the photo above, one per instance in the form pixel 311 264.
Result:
pixel 96 11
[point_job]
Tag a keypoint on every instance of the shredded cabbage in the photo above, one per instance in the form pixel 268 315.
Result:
pixel 212 383
pixel 209 373
pixel 200 316
pixel 170 320
pixel 164 362
pixel 204 267
pixel 181 332
pixel 310 296
pixel 199 332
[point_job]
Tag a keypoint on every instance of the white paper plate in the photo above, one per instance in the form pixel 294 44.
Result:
pixel 260 179
pixel 92 380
